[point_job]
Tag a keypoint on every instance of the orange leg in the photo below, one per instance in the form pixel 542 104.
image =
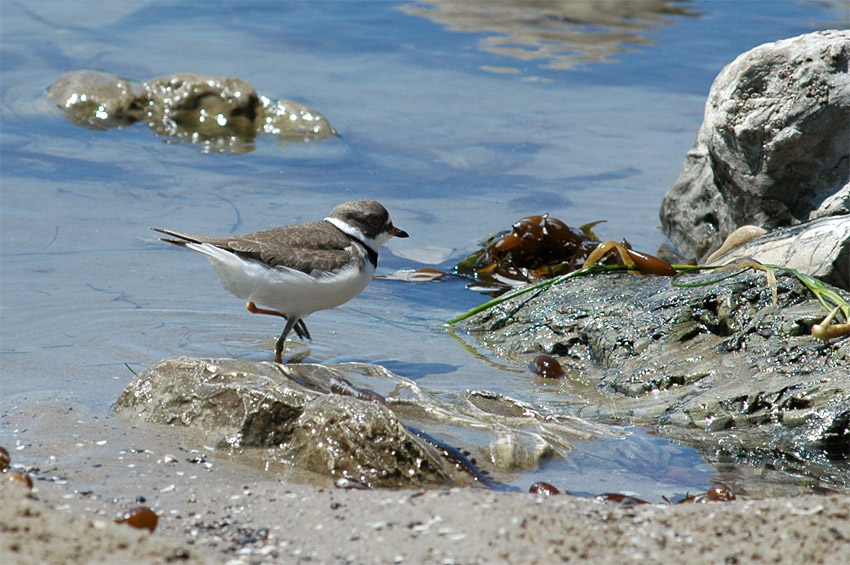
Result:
pixel 297 324
pixel 252 308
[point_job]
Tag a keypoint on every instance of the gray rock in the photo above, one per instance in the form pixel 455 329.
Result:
pixel 98 99
pixel 774 146
pixel 329 420
pixel 346 437
pixel 820 248
pixel 189 104
pixel 716 367
pixel 222 113
pixel 242 405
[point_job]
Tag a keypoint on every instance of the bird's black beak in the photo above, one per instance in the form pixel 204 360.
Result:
pixel 399 233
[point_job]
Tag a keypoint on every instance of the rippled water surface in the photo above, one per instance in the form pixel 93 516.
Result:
pixel 461 117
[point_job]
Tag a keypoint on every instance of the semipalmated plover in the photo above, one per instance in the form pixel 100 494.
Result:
pixel 297 270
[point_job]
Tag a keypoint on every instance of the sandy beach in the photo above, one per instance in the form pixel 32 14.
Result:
pixel 462 119
pixel 214 509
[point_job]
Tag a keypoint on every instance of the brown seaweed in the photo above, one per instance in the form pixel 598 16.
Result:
pixel 541 247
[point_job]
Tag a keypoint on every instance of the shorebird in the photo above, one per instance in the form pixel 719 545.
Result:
pixel 293 271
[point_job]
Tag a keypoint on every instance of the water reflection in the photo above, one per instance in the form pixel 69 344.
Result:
pixel 638 462
pixel 563 33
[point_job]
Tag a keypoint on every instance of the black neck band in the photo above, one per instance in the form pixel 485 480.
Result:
pixel 371 253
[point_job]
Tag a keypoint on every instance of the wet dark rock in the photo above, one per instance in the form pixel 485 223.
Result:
pixel 774 147
pixel 220 113
pixel 717 493
pixel 716 367
pixel 5 459
pixel 546 366
pixel 294 414
pixel 141 518
pixel 542 487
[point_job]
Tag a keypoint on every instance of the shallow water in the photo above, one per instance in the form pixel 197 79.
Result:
pixel 460 122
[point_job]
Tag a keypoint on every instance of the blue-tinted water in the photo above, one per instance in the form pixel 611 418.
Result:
pixel 460 124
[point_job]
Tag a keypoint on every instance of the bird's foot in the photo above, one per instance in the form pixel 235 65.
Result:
pixel 293 355
pixel 278 349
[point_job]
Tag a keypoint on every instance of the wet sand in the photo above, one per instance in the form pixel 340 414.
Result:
pixel 214 509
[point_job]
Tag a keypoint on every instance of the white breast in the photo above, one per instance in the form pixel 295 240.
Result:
pixel 284 289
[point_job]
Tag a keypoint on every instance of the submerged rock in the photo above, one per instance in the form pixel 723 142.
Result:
pixel 774 147
pixel 330 420
pixel 716 367
pixel 98 99
pixel 221 113
pixel 193 105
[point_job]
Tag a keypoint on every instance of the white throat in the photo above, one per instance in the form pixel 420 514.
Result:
pixel 372 243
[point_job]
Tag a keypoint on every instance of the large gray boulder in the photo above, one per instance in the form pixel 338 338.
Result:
pixel 774 146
